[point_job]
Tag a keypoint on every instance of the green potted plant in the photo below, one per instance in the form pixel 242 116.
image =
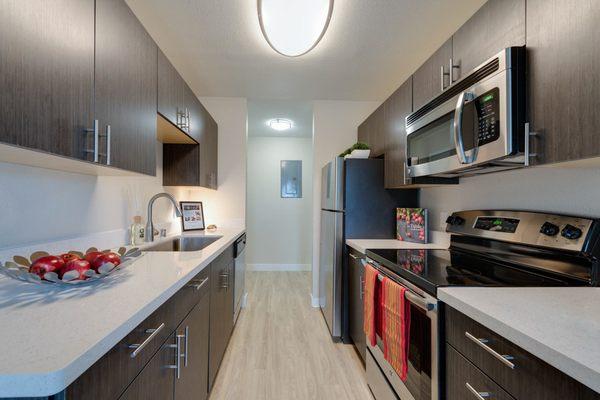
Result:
pixel 358 150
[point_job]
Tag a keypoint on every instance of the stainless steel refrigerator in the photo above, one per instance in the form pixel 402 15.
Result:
pixel 354 205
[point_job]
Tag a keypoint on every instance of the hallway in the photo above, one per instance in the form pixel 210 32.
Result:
pixel 280 349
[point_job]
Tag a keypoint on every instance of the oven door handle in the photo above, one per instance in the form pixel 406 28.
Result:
pixel 464 156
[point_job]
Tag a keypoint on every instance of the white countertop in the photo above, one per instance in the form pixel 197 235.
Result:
pixel 558 325
pixel 439 240
pixel 50 335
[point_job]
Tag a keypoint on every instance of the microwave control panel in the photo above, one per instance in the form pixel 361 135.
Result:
pixel 487 110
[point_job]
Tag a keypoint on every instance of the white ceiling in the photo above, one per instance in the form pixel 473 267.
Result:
pixel 370 48
pixel 260 111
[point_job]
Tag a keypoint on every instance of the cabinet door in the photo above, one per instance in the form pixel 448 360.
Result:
pixel 496 25
pixel 356 276
pixel 397 108
pixel 156 379
pixel 221 310
pixel 371 132
pixel 564 78
pixel 125 88
pixel 203 129
pixel 193 381
pixel 209 154
pixel 47 70
pixel 171 90
pixel 428 79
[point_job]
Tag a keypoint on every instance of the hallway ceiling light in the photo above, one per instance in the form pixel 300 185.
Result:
pixel 280 124
pixel 294 27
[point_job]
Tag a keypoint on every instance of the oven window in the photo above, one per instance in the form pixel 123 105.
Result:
pixel 432 142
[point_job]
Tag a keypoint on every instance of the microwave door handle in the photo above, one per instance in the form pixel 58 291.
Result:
pixel 459 145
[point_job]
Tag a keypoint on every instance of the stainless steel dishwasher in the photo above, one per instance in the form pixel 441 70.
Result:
pixel 239 290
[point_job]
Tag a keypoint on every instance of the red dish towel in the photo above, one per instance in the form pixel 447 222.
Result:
pixel 369 304
pixel 395 326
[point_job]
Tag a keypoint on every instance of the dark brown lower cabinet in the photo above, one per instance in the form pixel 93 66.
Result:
pixel 356 273
pixel 465 381
pixel 221 311
pixel 193 380
pixel 156 379
pixel 527 378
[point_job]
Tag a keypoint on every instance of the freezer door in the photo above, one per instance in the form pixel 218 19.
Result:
pixel 332 185
pixel 330 270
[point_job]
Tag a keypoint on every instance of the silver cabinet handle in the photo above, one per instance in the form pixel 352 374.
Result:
pixel 107 144
pixel 178 356
pixel 362 288
pixel 197 285
pixel 94 130
pixel 459 145
pixel 443 75
pixel 139 347
pixel 186 335
pixel 503 358
pixel 478 395
pixel 354 257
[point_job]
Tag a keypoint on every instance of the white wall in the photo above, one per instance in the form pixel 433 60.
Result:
pixel 40 205
pixel 553 189
pixel 279 229
pixel 335 126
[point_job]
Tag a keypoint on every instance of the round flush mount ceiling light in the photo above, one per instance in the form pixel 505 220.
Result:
pixel 294 27
pixel 280 124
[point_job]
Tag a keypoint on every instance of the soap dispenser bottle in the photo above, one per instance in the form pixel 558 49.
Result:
pixel 136 233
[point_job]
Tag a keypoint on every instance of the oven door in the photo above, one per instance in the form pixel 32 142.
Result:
pixel 422 382
pixel 464 133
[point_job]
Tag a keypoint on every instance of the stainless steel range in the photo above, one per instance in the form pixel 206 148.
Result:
pixel 488 248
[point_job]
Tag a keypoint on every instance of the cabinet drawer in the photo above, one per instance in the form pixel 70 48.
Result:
pixel 465 381
pixel 110 375
pixel 521 374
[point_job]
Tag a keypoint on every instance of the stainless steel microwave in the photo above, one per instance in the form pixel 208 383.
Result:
pixel 477 125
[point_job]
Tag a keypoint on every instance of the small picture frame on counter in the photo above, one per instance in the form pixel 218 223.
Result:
pixel 192 216
pixel 411 225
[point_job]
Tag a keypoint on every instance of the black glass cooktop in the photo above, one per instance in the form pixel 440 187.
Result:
pixel 430 269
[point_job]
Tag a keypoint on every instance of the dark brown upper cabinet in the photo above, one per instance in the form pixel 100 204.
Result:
pixel 371 132
pixel 47 74
pixel 564 92
pixel 498 24
pixel 126 73
pixel 171 92
pixel 396 108
pixel 433 76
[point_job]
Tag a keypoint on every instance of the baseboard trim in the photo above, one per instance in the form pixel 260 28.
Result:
pixel 314 301
pixel 278 267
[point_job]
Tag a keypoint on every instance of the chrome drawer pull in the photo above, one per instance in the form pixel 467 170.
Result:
pixel 503 358
pixel 477 394
pixel 139 347
pixel 355 257
pixel 197 285
pixel 178 356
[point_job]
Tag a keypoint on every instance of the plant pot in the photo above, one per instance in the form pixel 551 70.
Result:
pixel 359 154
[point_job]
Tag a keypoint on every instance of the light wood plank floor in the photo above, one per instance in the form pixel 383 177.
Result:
pixel 281 349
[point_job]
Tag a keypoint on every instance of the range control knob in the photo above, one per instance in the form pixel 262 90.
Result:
pixel 455 220
pixel 571 232
pixel 549 229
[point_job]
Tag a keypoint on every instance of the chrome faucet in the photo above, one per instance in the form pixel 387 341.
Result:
pixel 149 236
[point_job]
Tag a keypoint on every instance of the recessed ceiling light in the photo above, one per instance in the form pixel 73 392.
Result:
pixel 294 27
pixel 280 124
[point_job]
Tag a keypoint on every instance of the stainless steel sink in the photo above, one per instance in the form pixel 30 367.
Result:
pixel 186 243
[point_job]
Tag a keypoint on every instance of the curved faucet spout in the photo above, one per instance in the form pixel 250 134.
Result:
pixel 149 236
